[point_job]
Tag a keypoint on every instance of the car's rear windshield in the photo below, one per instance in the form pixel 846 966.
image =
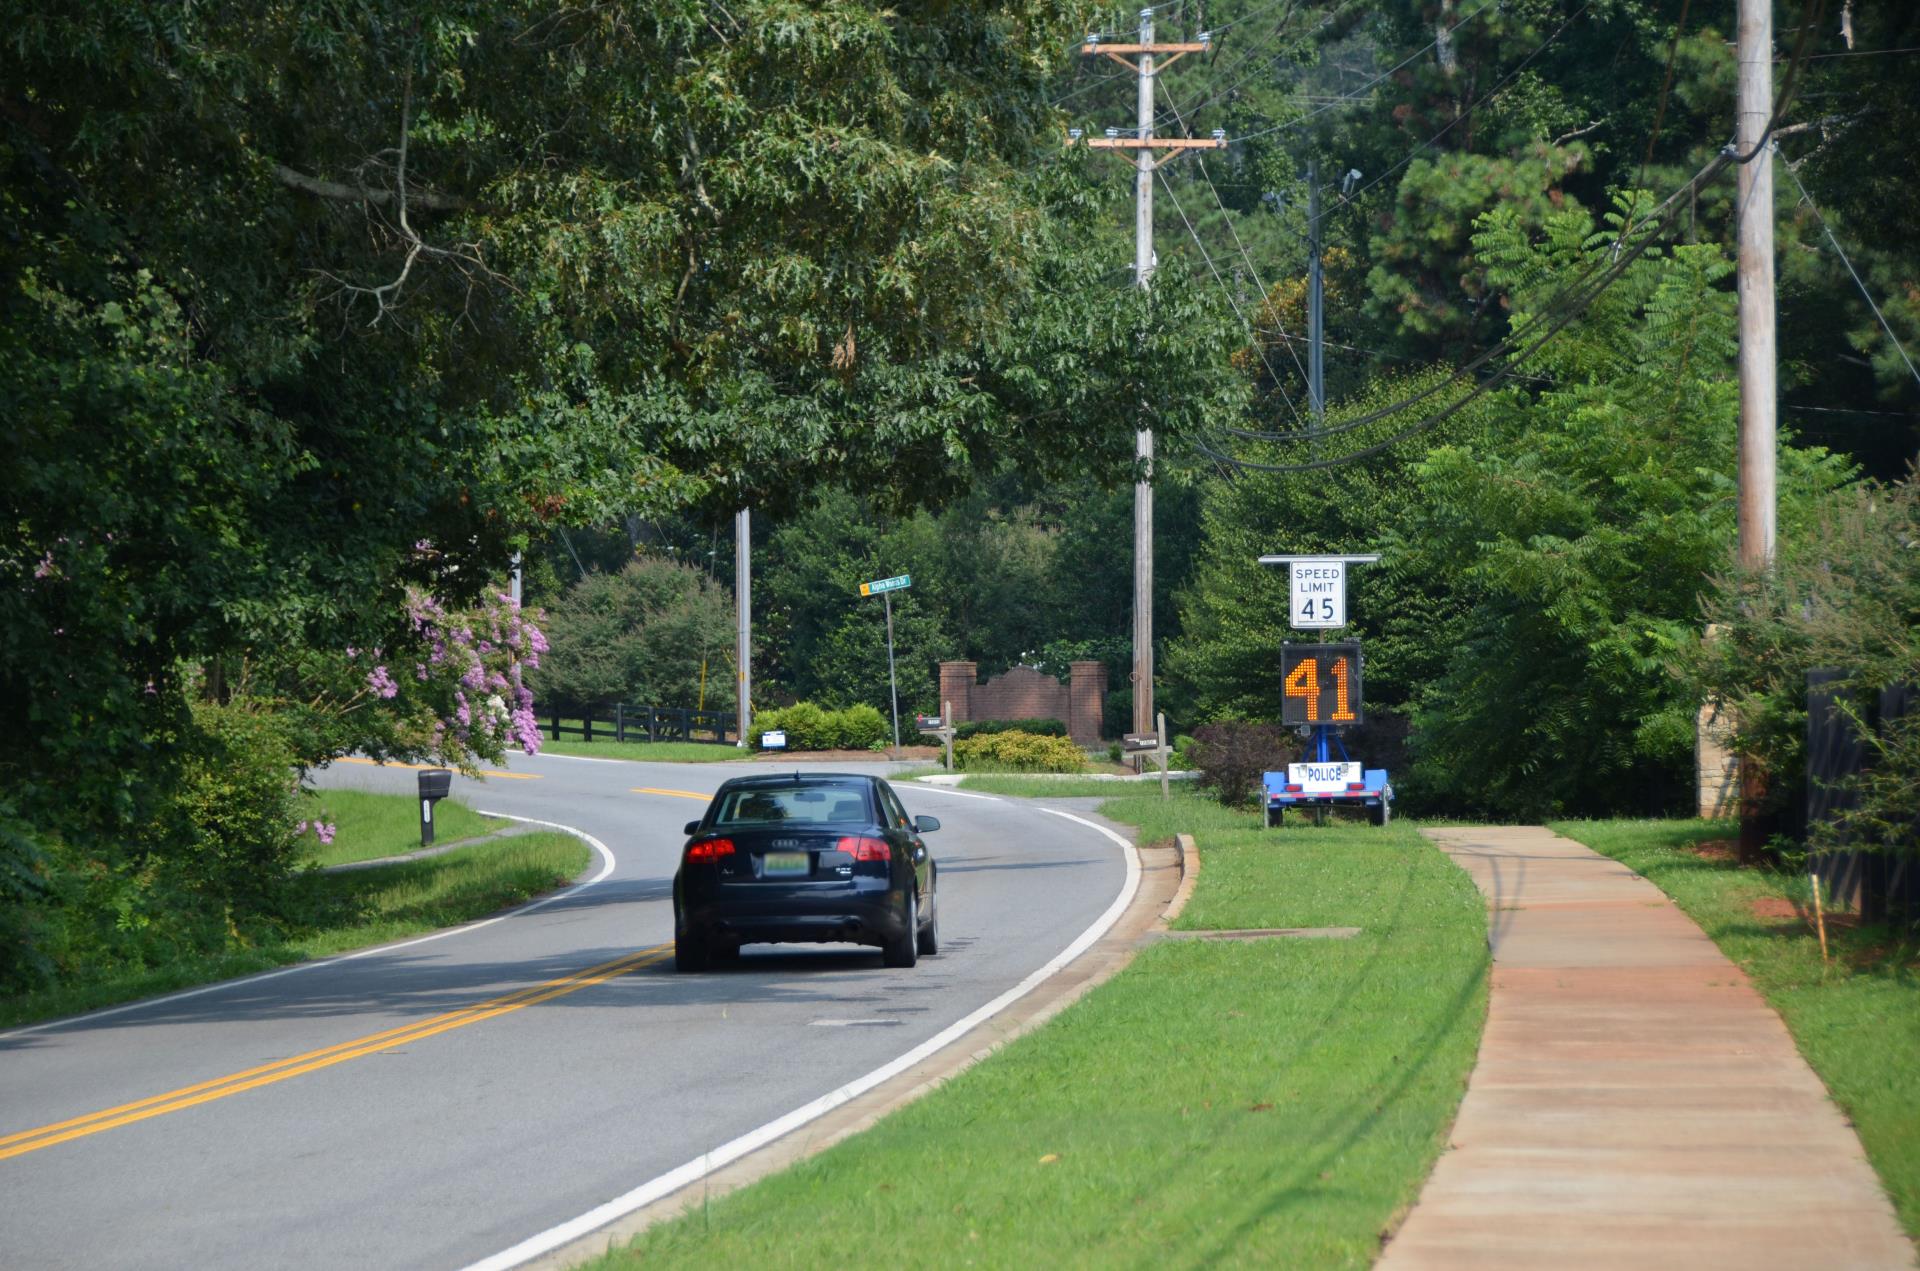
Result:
pixel 815 803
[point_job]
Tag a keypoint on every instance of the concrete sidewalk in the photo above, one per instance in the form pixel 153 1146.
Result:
pixel 1635 1103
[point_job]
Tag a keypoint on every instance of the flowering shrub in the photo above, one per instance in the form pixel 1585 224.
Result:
pixel 451 688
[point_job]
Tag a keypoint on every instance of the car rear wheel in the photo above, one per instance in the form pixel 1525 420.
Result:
pixel 904 950
pixel 691 952
pixel 928 941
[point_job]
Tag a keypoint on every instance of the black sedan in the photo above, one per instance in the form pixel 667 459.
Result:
pixel 805 857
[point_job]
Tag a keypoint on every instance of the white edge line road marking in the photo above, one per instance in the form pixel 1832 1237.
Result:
pixel 705 1164
pixel 958 794
pixel 606 867
pixel 579 758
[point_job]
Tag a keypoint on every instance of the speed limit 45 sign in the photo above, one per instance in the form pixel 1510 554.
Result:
pixel 1318 597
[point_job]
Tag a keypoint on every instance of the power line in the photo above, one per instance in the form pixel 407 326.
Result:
pixel 1455 122
pixel 1357 94
pixel 1231 298
pixel 1245 256
pixel 1841 252
pixel 1252 55
pixel 1579 303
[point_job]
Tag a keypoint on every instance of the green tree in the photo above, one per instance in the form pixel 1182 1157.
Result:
pixel 1844 594
pixel 1581 532
pixel 644 635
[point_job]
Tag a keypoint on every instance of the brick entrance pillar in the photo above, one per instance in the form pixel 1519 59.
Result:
pixel 1086 701
pixel 956 685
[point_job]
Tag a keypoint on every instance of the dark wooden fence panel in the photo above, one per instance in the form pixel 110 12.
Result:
pixel 622 722
pixel 1872 883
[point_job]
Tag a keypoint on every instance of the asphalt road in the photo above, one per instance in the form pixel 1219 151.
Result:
pixel 435 1102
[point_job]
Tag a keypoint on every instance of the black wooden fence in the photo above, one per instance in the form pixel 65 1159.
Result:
pixel 1872 883
pixel 620 722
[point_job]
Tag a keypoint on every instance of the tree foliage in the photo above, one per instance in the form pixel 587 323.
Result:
pixel 654 633
pixel 1844 594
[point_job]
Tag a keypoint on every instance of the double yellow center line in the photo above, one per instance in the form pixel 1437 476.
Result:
pixel 24 1141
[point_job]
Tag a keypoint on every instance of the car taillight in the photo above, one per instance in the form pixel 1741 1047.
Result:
pixel 710 850
pixel 1356 785
pixel 862 848
pixel 1293 787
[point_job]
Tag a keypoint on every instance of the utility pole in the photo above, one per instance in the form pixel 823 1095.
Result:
pixel 893 683
pixel 1754 276
pixel 1316 301
pixel 743 612
pixel 1144 145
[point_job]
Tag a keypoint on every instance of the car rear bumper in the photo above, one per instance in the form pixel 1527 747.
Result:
pixel 796 915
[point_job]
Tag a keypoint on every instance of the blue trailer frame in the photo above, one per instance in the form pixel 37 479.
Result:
pixel 1373 792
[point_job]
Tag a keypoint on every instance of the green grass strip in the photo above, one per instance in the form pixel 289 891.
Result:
pixel 1062 787
pixel 1261 1103
pixel 324 914
pixel 370 826
pixel 1855 1019
pixel 651 751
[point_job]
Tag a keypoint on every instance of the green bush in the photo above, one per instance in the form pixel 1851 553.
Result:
pixel 1232 756
pixel 1018 752
pixel 862 727
pixel 1182 757
pixel 988 727
pixel 230 828
pixel 858 727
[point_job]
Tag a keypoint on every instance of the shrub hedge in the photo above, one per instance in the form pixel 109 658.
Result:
pixel 988 727
pixel 808 727
pixel 1018 752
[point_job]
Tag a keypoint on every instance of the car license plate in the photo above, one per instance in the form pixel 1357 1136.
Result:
pixel 785 864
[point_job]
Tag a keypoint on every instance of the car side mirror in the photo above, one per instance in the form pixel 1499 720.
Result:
pixel 926 824
pixel 692 828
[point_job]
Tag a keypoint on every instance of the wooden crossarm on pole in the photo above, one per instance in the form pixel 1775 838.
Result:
pixel 1154 143
pixel 1117 51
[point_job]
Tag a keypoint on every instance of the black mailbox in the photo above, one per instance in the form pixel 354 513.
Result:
pixel 435 784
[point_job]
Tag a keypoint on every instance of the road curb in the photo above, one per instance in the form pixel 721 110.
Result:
pixel 1163 881
pixel 1189 876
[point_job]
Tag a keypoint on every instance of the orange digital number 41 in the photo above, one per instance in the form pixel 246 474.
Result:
pixel 1342 699
pixel 1305 682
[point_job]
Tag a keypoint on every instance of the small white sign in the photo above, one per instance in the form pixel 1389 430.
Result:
pixel 773 739
pixel 1321 778
pixel 1318 597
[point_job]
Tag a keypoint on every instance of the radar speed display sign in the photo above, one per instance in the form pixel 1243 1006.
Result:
pixel 1320 684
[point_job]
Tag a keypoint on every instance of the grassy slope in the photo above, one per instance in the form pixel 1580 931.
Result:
pixel 655 751
pixel 369 826
pixel 1270 1103
pixel 1857 1020
pixel 332 913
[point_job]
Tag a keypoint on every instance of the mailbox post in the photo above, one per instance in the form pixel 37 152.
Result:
pixel 940 726
pixel 435 785
pixel 1152 746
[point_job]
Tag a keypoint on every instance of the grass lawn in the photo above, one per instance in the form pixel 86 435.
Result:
pixel 332 913
pixel 1043 786
pixel 369 826
pixel 1856 1019
pixel 655 751
pixel 1259 1103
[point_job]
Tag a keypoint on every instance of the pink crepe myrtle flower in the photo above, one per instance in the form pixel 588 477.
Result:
pixel 382 683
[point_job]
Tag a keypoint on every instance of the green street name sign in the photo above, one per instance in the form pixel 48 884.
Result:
pixel 874 588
